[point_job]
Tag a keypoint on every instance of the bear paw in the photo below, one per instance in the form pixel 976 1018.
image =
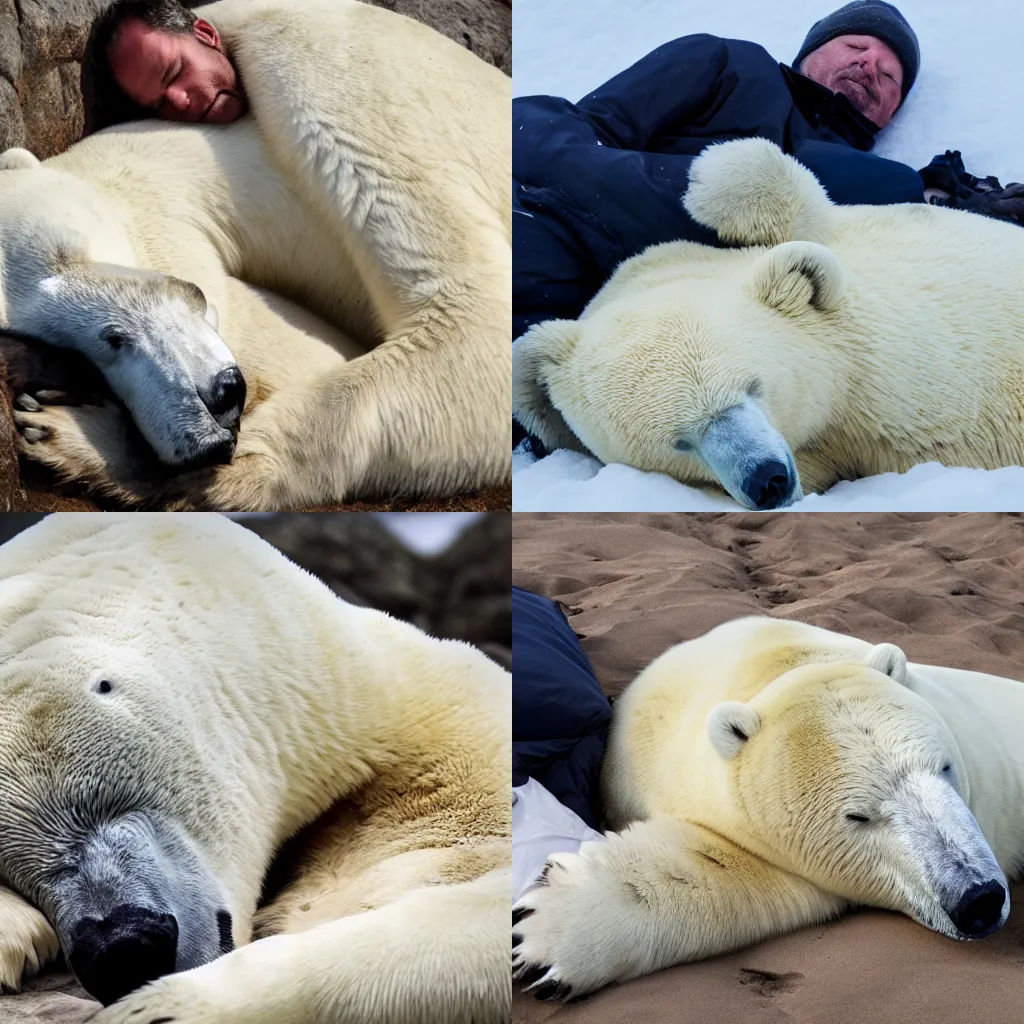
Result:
pixel 27 941
pixel 751 193
pixel 17 159
pixel 69 439
pixel 165 1001
pixel 572 933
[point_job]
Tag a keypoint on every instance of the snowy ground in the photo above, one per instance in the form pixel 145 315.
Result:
pixel 967 97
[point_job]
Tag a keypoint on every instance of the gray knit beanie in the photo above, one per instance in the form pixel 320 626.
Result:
pixel 868 18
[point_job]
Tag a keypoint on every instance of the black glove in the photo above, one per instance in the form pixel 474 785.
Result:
pixel 948 183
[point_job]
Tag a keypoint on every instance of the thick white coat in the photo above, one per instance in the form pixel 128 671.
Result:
pixel 873 338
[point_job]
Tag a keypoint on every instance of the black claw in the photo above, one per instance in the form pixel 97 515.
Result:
pixel 516 939
pixel 518 913
pixel 551 990
pixel 532 975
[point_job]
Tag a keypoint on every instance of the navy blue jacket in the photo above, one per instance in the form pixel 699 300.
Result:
pixel 559 712
pixel 598 181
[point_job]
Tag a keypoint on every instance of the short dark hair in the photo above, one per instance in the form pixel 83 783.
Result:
pixel 104 102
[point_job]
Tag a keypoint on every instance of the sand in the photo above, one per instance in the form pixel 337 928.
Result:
pixel 947 588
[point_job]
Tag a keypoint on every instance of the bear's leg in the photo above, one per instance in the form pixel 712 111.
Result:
pixel 27 942
pixel 438 953
pixel 661 892
pixel 428 411
pixel 333 883
pixel 817 469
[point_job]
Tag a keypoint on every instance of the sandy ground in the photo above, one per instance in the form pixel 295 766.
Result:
pixel 946 588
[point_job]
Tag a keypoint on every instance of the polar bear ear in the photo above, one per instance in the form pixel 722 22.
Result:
pixel 798 276
pixel 17 159
pixel 889 660
pixel 211 317
pixel 730 725
pixel 535 355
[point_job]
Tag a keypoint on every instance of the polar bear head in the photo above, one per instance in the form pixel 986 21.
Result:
pixel 701 363
pixel 67 277
pixel 133 811
pixel 848 778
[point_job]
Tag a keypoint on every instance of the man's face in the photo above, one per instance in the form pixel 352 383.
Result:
pixel 864 69
pixel 181 77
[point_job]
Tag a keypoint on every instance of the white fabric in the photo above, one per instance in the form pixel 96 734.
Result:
pixel 541 825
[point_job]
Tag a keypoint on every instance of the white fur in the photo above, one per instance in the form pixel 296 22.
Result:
pixel 375 191
pixel 259 693
pixel 878 337
pixel 862 780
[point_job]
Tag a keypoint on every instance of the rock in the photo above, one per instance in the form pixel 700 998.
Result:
pixel 41 46
pixel 474 579
pixel 356 556
pixel 12 525
pixel 484 27
pixel 463 594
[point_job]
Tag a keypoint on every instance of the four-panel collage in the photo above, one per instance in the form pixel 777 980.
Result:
pixel 510 512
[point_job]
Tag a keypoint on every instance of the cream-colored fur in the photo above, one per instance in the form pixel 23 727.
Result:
pixel 258 705
pixel 27 942
pixel 374 192
pixel 873 338
pixel 733 764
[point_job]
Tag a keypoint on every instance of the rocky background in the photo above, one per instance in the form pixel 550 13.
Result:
pixel 464 593
pixel 42 43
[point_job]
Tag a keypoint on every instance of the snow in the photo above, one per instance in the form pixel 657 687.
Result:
pixel 570 482
pixel 966 97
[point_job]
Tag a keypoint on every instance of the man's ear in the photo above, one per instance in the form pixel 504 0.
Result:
pixel 206 34
pixel 730 725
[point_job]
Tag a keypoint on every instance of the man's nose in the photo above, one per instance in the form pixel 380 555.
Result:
pixel 177 97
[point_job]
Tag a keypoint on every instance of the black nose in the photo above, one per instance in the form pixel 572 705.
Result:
pixel 769 485
pixel 227 396
pixel 120 953
pixel 978 912
pixel 217 452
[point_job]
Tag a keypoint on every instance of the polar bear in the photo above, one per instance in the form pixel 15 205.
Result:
pixel 370 185
pixel 177 700
pixel 769 775
pixel 837 342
